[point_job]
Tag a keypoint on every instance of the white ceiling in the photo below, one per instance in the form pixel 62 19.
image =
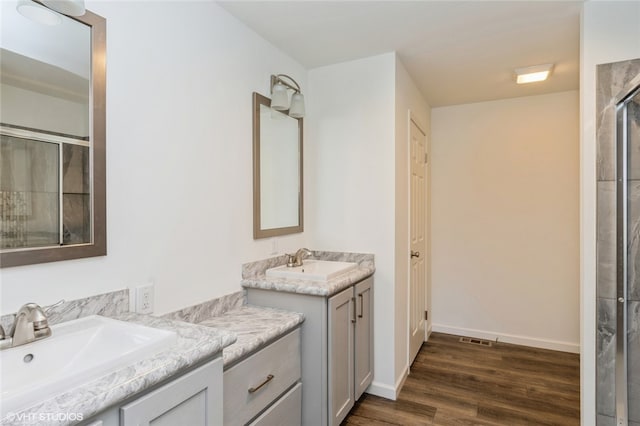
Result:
pixel 67 45
pixel 456 51
pixel 53 60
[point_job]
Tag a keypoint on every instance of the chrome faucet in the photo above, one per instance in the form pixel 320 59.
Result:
pixel 29 325
pixel 296 259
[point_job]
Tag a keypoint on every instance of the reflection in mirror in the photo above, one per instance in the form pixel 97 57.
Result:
pixel 52 183
pixel 277 151
pixel 633 128
pixel 279 169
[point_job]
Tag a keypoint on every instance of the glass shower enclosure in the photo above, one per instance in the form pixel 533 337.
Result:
pixel 618 245
pixel 628 263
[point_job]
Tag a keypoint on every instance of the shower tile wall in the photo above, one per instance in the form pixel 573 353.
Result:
pixel 76 194
pixel 611 80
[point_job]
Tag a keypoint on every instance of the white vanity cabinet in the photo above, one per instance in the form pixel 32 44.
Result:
pixel 193 399
pixel 337 350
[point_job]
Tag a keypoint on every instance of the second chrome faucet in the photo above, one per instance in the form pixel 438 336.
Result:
pixel 296 259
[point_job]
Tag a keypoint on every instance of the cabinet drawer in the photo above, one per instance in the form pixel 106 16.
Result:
pixel 244 397
pixel 287 411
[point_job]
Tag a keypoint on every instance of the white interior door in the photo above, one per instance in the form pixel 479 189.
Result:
pixel 418 245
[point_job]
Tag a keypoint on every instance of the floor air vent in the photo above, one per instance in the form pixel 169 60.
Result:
pixel 475 341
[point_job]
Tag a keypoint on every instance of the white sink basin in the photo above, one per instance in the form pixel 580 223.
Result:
pixel 77 352
pixel 312 270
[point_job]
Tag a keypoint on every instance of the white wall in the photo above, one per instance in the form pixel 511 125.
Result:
pixel 357 140
pixel 505 220
pixel 27 108
pixel 351 141
pixel 179 180
pixel 408 98
pixel 610 33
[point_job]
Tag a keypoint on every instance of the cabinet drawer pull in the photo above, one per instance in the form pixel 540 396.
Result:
pixel 361 305
pixel 257 388
pixel 353 300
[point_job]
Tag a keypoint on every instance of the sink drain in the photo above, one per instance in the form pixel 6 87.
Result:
pixel 28 358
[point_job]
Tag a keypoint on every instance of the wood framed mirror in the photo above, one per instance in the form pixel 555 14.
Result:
pixel 52 124
pixel 277 171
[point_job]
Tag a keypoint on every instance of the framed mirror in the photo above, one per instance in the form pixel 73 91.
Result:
pixel 277 171
pixel 52 137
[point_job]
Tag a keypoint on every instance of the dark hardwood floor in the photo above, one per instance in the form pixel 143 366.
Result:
pixel 453 383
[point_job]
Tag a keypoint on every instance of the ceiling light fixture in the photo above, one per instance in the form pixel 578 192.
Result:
pixel 38 13
pixel 66 7
pixel 533 74
pixel 280 96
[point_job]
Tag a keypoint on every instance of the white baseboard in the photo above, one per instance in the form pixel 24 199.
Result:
pixel 401 380
pixel 382 390
pixel 387 391
pixel 509 338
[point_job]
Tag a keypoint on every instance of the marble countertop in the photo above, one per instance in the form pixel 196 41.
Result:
pixel 255 326
pixel 314 288
pixel 195 344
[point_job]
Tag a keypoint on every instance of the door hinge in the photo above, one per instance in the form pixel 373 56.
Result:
pixel 426 315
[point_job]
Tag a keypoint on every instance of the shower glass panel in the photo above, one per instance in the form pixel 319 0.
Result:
pixel 29 194
pixel 627 362
pixel 45 197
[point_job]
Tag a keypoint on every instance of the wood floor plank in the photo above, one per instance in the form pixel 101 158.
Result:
pixel 453 383
pixel 446 417
pixel 439 397
pixel 511 416
pixel 508 367
pixel 356 420
pixel 402 411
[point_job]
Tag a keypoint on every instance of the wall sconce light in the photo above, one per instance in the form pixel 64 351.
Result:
pixel 280 96
pixel 533 74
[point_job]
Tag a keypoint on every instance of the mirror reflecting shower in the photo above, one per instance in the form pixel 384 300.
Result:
pixel 52 137
pixel 618 244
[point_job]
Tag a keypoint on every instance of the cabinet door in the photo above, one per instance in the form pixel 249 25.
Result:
pixel 194 399
pixel 364 336
pixel 341 326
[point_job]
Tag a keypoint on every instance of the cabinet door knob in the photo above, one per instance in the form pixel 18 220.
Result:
pixel 361 305
pixel 415 253
pixel 257 388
